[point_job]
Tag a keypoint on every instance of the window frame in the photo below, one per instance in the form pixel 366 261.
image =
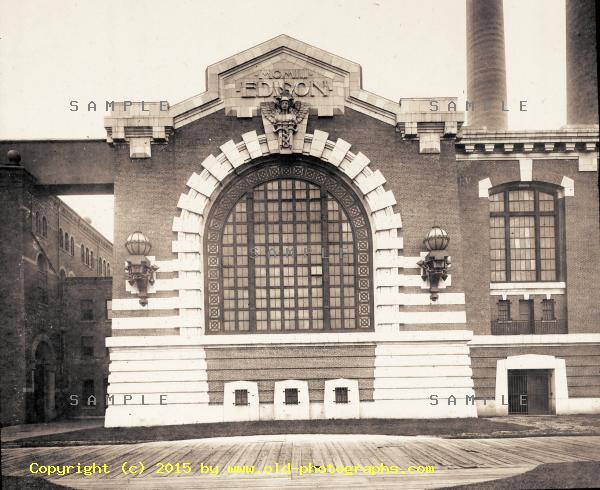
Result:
pixel 291 396
pixel 504 311
pixel 241 397
pixel 506 214
pixel 341 394
pixel 83 311
pixel 548 309
pixel 281 168
pixel 87 354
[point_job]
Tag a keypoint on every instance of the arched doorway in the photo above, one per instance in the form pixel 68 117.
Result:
pixel 44 408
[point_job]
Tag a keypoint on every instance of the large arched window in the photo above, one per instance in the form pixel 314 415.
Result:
pixel 288 249
pixel 72 246
pixel 525 233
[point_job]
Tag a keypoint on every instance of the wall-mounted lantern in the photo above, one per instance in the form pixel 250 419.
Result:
pixel 436 263
pixel 140 272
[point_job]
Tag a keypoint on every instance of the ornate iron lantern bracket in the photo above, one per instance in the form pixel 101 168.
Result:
pixel 434 266
pixel 140 271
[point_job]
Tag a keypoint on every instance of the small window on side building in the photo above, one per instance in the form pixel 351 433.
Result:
pixel 87 309
pixel 87 347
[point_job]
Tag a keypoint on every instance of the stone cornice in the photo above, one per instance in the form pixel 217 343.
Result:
pixel 567 139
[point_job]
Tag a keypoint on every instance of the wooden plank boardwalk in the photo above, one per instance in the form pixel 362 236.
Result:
pixel 456 461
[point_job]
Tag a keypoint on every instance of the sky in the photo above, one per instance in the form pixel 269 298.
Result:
pixel 52 52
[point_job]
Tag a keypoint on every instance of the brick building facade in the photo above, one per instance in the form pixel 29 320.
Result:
pixel 287 210
pixel 48 256
pixel 86 314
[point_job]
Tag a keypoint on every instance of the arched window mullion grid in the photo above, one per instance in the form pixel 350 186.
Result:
pixel 251 270
pixel 283 305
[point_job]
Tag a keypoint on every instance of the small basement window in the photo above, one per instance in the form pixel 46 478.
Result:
pixel 291 396
pixel 341 395
pixel 241 397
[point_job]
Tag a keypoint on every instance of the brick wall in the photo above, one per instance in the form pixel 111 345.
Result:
pixel 266 365
pixel 26 320
pixel 77 366
pixel 13 219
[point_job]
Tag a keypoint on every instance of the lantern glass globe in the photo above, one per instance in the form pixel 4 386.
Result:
pixel 436 239
pixel 138 244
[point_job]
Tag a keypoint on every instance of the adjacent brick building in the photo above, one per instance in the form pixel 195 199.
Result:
pixel 51 258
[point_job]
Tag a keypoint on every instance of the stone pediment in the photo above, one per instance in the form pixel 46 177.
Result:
pixel 326 83
pixel 240 83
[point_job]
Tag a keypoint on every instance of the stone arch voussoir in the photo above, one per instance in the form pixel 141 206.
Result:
pixel 203 187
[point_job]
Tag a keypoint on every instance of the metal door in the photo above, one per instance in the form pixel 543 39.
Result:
pixel 529 391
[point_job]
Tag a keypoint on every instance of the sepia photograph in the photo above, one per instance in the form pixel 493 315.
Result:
pixel 313 244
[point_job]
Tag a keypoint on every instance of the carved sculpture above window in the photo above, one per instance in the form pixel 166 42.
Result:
pixel 285 115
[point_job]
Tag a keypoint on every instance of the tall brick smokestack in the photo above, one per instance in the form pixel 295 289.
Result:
pixel 486 65
pixel 582 63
